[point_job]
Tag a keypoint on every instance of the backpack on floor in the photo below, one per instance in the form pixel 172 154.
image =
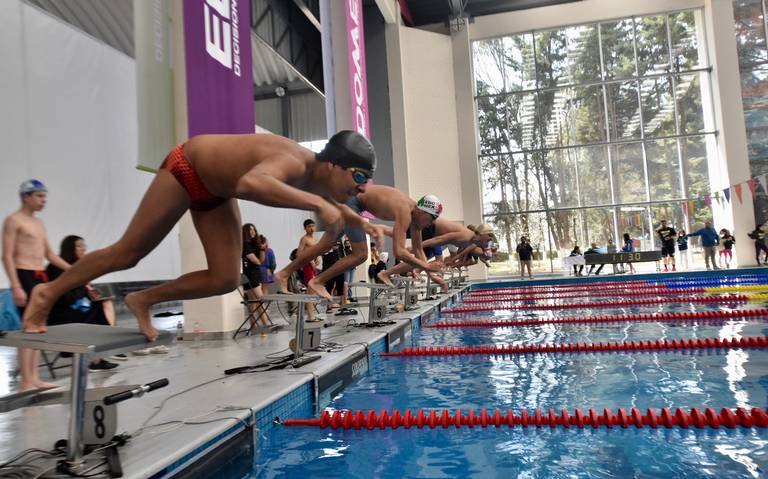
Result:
pixel 9 314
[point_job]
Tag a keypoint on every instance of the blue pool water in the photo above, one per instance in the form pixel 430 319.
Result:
pixel 734 378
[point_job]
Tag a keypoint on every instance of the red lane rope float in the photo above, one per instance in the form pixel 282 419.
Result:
pixel 664 418
pixel 565 286
pixel 510 349
pixel 733 298
pixel 670 316
pixel 630 293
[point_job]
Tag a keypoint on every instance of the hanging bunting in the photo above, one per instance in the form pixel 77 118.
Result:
pixel 727 194
pixel 737 188
pixel 708 200
pixel 763 182
pixel 752 186
pixel 717 198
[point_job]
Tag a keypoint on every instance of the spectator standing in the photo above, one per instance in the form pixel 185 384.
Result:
pixel 759 236
pixel 525 255
pixel 682 247
pixel 253 258
pixel 709 241
pixel 726 253
pixel 269 265
pixel 667 235
pixel 629 247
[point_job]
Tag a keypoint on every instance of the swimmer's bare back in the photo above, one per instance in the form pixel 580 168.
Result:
pixel 384 201
pixel 224 162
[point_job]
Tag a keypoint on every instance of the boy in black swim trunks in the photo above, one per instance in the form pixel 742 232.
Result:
pixel 668 237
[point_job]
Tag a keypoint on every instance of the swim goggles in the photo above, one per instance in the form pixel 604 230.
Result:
pixel 360 175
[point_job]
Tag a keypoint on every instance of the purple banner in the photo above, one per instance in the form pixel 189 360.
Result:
pixel 356 66
pixel 217 47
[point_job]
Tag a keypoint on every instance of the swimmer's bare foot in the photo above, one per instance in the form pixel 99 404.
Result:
pixel 44 385
pixel 37 311
pixel 141 311
pixel 36 384
pixel 384 278
pixel 281 280
pixel 316 288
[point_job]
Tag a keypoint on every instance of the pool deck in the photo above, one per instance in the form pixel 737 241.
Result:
pixel 253 398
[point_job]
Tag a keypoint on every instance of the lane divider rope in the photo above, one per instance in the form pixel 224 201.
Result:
pixel 511 349
pixel 664 418
pixel 654 317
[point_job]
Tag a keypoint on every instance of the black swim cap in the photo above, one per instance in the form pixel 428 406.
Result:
pixel 349 149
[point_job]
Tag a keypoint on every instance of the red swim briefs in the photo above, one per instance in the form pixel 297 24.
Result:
pixel 178 165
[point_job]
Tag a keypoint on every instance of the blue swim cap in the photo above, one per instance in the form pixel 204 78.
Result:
pixel 32 186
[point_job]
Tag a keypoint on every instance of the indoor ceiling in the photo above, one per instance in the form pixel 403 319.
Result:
pixel 424 12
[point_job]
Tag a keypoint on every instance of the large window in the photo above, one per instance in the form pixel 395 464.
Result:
pixel 751 30
pixel 591 131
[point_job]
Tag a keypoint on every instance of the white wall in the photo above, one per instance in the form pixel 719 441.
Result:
pixel 68 117
pixel 432 146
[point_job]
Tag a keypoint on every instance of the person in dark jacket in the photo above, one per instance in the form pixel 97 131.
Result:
pixel 759 236
pixel 525 254
pixel 709 241
pixel 578 269
pixel 593 250
pixel 682 247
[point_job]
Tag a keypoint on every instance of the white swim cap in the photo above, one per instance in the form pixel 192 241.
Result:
pixel 430 204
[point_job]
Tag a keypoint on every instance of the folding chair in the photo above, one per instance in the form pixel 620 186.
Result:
pixel 252 316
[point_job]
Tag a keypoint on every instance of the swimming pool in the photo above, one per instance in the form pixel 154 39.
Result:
pixel 702 378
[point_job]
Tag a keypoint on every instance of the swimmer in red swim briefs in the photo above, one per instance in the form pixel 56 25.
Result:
pixel 206 175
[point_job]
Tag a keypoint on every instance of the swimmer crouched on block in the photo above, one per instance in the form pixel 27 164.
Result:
pixel 385 203
pixel 206 175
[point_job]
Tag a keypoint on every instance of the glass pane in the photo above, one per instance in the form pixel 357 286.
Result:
pixel 750 33
pixel 560 171
pixel 523 122
pixel 566 230
pixel 618 49
pixel 583 53
pixel 504 64
pixel 509 229
pixel 685 41
pixel 552 58
pixel 493 170
pixel 652 44
pixel 663 169
pixel 629 174
pixel 689 106
pixel 694 155
pixel 633 220
pixel 594 178
pixel 493 121
pixel 672 213
pixel 598 225
pixel 623 111
pixel 754 85
pixel 658 106
pixel 523 188
pixel 573 116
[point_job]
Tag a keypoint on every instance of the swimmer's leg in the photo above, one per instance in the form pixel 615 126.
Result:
pixel 357 257
pixel 219 231
pixel 161 208
pixel 304 258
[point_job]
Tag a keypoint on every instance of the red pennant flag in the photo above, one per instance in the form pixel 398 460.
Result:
pixel 737 188
pixel 752 186
pixel 708 200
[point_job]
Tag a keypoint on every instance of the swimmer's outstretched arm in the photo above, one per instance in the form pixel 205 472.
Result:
pixel 354 220
pixel 447 238
pixel 402 221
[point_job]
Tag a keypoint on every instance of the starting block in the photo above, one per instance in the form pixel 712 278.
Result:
pixel 305 336
pixel 377 310
pixel 410 295
pixel 82 341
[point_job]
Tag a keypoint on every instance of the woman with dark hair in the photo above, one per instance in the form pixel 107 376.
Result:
pixel 269 265
pixel 83 304
pixel 253 258
pixel 629 247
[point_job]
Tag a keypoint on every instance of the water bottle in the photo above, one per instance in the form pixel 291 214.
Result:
pixel 179 331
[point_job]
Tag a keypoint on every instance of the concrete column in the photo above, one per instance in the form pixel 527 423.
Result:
pixel 729 159
pixel 397 104
pixel 466 119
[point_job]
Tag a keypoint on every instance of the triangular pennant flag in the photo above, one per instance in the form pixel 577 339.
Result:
pixel 717 198
pixel 727 194
pixel 763 182
pixel 752 186
pixel 737 188
pixel 708 200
